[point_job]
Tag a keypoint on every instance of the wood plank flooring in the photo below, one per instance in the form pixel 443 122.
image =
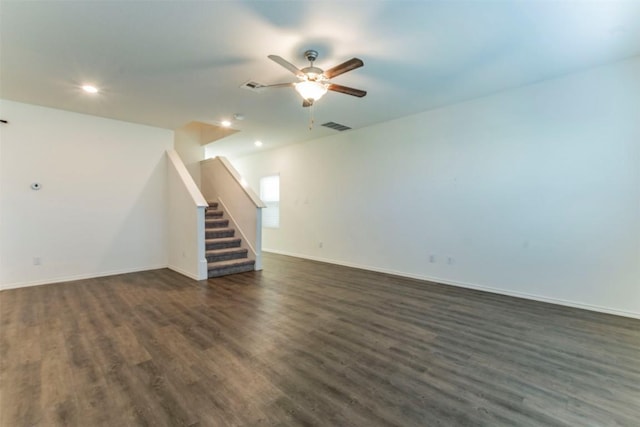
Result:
pixel 309 344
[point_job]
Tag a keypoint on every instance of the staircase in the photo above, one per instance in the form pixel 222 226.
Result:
pixel 223 250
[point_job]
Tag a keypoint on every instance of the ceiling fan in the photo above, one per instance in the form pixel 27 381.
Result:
pixel 314 82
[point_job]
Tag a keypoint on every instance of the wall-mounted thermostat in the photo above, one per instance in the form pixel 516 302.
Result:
pixel 36 186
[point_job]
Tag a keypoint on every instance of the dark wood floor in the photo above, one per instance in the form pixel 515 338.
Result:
pixel 306 343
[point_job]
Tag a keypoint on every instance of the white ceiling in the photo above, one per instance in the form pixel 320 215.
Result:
pixel 166 63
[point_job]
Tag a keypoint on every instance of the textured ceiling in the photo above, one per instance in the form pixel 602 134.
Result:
pixel 167 63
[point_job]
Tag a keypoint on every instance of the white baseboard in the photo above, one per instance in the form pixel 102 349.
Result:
pixel 439 280
pixel 184 272
pixel 77 277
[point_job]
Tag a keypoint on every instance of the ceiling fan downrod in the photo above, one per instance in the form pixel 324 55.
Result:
pixel 311 55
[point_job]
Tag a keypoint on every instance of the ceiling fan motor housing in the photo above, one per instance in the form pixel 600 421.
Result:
pixel 313 73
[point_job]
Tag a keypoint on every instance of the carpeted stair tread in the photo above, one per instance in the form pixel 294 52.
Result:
pixel 216 223
pixel 231 270
pixel 223 268
pixel 225 251
pixel 210 213
pixel 215 255
pixel 213 233
pixel 213 205
pixel 222 242
pixel 230 263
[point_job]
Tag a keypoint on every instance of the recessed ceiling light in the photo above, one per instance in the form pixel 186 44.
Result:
pixel 225 123
pixel 258 143
pixel 90 89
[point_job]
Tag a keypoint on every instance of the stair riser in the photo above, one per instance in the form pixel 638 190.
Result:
pixel 219 223
pixel 213 214
pixel 227 257
pixel 214 234
pixel 231 270
pixel 213 205
pixel 222 245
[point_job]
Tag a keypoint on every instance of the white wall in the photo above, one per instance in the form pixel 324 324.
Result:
pixel 187 143
pixel 101 209
pixel 533 192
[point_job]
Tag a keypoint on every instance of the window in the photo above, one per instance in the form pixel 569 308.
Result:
pixel 270 195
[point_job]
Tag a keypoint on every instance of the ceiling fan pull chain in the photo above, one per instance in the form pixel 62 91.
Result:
pixel 311 120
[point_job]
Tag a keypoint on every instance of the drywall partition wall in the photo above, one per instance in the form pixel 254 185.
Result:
pixel 190 140
pixel 186 211
pixel 102 206
pixel 533 192
pixel 188 145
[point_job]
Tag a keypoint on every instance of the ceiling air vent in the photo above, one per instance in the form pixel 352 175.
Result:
pixel 336 126
pixel 253 86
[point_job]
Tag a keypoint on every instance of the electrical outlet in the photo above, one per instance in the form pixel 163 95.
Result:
pixel 432 258
pixel 37 260
pixel 320 245
pixel 450 260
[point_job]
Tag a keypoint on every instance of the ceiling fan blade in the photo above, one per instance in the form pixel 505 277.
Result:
pixel 307 103
pixel 348 90
pixel 286 64
pixel 351 64
pixel 276 85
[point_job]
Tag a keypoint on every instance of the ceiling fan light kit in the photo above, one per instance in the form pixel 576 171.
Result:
pixel 311 90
